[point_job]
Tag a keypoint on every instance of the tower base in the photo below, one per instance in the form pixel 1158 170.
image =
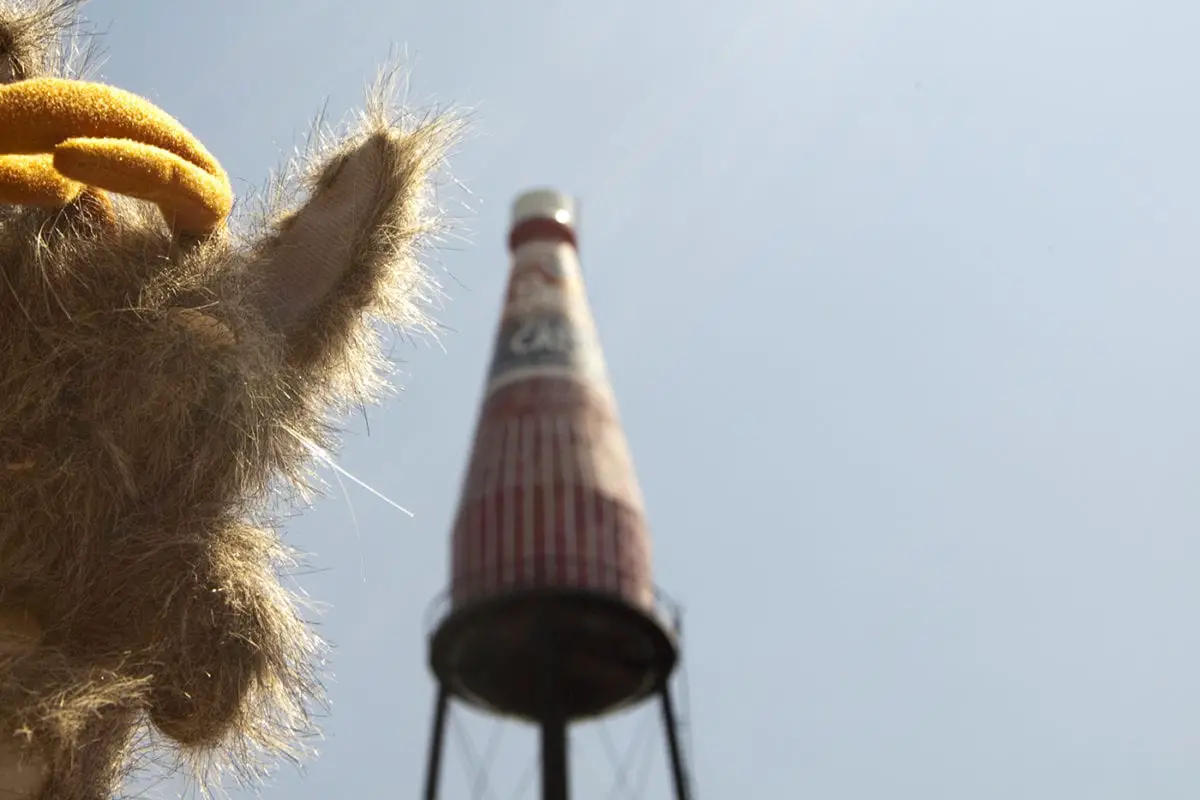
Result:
pixel 608 652
pixel 553 657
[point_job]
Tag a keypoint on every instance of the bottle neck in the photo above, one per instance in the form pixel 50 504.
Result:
pixel 540 229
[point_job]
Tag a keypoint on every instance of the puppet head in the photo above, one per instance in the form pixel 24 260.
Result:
pixel 162 379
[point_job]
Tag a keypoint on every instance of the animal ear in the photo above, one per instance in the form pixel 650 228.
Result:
pixel 350 250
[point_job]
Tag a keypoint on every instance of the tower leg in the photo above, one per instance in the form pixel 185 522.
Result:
pixel 555 784
pixel 678 768
pixel 435 742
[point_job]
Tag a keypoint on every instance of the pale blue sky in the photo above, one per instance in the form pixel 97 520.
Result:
pixel 899 301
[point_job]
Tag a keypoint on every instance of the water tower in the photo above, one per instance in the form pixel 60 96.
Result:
pixel 551 616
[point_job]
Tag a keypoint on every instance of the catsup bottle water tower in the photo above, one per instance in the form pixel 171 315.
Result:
pixel 551 616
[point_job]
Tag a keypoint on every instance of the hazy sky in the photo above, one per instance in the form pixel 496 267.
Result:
pixel 899 302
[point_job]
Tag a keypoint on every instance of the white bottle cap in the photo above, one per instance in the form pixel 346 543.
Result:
pixel 544 204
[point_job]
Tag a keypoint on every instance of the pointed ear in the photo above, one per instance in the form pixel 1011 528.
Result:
pixel 315 248
pixel 351 250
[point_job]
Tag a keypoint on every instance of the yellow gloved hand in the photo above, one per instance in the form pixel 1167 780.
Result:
pixel 59 136
pixel 33 181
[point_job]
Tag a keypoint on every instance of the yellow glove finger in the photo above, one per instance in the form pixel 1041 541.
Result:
pixel 192 200
pixel 37 114
pixel 33 181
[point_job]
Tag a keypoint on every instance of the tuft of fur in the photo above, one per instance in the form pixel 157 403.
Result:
pixel 156 394
pixel 42 37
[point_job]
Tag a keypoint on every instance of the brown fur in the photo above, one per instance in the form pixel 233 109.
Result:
pixel 155 395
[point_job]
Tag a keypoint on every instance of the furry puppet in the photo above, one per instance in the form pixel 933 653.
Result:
pixel 160 381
